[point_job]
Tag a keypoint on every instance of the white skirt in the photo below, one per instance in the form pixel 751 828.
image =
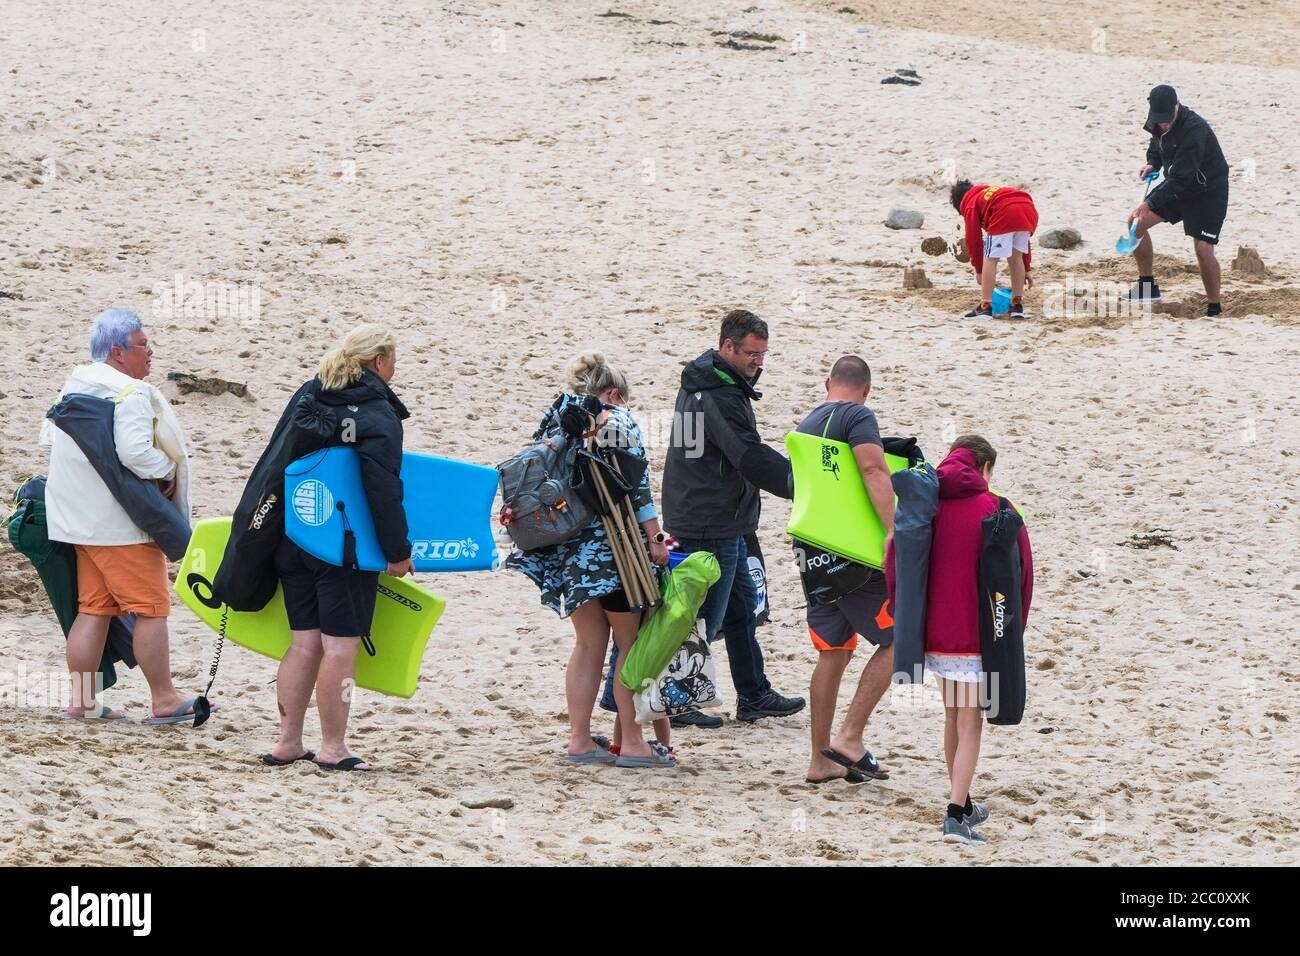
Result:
pixel 963 668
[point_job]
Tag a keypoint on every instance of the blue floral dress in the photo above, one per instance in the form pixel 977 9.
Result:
pixel 582 569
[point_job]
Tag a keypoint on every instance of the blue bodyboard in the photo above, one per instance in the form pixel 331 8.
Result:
pixel 448 510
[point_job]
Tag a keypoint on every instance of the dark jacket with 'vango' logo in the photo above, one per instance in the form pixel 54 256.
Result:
pixel 716 461
pixel 366 416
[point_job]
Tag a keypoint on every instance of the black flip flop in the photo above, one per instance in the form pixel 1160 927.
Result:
pixel 273 761
pixel 851 777
pixel 347 763
pixel 868 766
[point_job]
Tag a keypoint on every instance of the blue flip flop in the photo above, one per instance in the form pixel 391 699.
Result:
pixel 658 760
pixel 599 755
pixel 102 714
pixel 184 712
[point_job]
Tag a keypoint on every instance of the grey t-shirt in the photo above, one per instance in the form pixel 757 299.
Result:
pixel 854 424
pixel 850 422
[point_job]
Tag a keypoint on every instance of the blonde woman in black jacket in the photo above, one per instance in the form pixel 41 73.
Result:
pixel 329 607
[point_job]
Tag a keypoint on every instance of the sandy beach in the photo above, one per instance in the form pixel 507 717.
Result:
pixel 508 184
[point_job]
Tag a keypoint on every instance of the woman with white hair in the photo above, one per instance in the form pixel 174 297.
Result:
pixel 120 568
pixel 329 607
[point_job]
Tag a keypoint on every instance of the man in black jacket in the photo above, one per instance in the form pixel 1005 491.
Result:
pixel 1194 192
pixel 715 466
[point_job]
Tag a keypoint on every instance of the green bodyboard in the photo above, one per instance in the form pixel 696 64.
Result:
pixel 405 615
pixel 832 509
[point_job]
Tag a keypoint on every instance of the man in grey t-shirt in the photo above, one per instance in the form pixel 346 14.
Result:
pixel 836 624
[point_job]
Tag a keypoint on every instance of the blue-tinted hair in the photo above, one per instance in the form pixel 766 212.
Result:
pixel 112 327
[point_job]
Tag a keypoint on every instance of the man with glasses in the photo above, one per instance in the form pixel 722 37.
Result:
pixel 715 466
pixel 120 569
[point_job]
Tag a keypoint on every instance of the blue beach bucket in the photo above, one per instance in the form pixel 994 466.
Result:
pixel 1001 301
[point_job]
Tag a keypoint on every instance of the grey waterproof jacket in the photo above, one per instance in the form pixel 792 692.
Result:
pixel 88 421
pixel 908 566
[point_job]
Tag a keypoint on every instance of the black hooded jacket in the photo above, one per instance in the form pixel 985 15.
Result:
pixel 716 461
pixel 1191 158
pixel 365 415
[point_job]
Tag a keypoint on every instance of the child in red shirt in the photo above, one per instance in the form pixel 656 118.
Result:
pixel 999 221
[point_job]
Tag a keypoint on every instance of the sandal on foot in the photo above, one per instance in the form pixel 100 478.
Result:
pixel 851 777
pixel 599 755
pixel 347 763
pixel 868 766
pixel 271 760
pixel 186 710
pixel 101 713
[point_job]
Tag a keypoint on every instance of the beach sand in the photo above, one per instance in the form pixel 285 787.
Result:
pixel 509 184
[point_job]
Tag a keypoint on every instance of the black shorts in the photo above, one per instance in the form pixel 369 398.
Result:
pixel 615 601
pixel 860 613
pixel 338 601
pixel 1202 216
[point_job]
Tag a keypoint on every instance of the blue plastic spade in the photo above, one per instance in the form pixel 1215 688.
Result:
pixel 1127 244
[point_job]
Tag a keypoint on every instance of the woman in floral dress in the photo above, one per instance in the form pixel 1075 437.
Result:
pixel 579 580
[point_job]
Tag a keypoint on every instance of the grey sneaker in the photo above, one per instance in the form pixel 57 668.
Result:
pixel 955 831
pixel 979 813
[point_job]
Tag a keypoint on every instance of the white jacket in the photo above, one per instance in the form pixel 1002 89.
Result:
pixel 78 505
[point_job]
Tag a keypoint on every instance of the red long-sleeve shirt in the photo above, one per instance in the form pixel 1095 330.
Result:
pixel 995 210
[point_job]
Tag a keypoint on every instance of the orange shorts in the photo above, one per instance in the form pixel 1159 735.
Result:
pixel 122 579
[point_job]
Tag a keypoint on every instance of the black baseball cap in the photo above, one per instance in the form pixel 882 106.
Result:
pixel 1163 100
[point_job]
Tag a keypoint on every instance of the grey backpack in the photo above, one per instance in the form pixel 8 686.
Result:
pixel 540 505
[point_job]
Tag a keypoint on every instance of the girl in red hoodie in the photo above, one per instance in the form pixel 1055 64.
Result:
pixel 952 619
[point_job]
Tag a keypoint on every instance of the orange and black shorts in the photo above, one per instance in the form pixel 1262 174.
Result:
pixel 860 613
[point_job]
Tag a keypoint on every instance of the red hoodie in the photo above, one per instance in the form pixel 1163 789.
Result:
pixel 952 618
pixel 996 210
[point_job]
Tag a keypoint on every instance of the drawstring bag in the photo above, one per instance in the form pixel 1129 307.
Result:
pixel 688 682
